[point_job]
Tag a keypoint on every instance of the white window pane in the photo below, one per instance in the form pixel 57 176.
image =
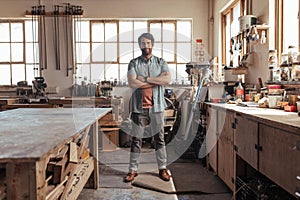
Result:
pixel 169 52
pixel 30 74
pixel 31 49
pixel 4 52
pixel 123 72
pixel 172 69
pixel 17 52
pixel 111 32
pixel 126 53
pixel 97 73
pixel 155 30
pixel 137 51
pixel 227 43
pixel 83 53
pixel 184 54
pixel 184 31
pixel 235 22
pixel 182 74
pixel 17 32
pixel 168 32
pixel 83 73
pixel 30 30
pixel 126 31
pixel 18 73
pixel 83 31
pixel 97 52
pixel 157 50
pixel 290 23
pixel 4 32
pixel 4 75
pixel 97 32
pixel 112 72
pixel 140 27
pixel 111 52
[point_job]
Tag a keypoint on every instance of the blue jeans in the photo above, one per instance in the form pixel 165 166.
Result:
pixel 141 121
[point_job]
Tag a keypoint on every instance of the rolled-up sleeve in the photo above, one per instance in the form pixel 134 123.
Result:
pixel 131 70
pixel 164 65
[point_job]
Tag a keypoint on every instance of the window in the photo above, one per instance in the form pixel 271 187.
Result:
pixel 105 47
pixel 290 25
pixel 18 51
pixel 231 35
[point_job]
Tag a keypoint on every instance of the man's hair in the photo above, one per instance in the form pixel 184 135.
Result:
pixel 149 36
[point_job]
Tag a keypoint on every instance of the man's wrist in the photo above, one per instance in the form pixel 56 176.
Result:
pixel 145 79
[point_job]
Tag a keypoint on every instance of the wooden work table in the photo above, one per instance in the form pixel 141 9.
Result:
pixel 48 153
pixel 267 140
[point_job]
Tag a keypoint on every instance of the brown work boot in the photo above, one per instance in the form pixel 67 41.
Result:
pixel 164 175
pixel 130 176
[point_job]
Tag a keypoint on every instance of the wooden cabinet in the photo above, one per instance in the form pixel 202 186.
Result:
pixel 246 139
pixel 266 140
pixel 219 142
pixel 279 156
pixel 211 138
pixel 225 147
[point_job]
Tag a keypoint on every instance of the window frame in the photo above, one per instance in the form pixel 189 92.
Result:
pixel 118 62
pixel 24 43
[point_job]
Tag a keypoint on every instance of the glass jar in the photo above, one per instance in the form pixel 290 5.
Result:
pixel 284 59
pixel 292 54
pixel 272 62
pixel 296 71
pixel 272 57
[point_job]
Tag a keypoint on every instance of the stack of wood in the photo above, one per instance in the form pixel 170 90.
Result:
pixel 109 129
pixel 69 168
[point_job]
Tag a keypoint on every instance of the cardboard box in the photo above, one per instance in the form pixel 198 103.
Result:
pixel 109 138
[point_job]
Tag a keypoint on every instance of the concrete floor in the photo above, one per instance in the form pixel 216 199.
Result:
pixel 117 162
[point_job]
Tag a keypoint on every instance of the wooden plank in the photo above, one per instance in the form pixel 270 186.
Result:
pixel 78 179
pixel 62 153
pixel 59 169
pixel 57 191
pixel 73 157
pixel 85 154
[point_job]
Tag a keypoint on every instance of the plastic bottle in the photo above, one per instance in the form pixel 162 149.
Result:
pixel 199 51
pixel 239 92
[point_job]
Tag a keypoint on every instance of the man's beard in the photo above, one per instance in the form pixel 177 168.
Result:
pixel 146 51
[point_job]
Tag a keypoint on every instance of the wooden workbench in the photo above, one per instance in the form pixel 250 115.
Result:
pixel 34 142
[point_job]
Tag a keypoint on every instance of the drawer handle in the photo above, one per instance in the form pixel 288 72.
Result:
pixel 298 178
pixel 297 194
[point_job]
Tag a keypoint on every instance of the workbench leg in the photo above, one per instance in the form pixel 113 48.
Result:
pixel 25 180
pixel 93 181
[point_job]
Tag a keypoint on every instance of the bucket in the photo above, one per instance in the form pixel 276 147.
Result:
pixel 247 21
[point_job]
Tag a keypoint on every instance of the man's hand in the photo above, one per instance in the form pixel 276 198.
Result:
pixel 141 78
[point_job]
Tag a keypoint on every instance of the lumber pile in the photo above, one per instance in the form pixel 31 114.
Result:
pixel 69 168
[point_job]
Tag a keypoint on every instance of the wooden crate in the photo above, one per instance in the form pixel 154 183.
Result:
pixel 109 139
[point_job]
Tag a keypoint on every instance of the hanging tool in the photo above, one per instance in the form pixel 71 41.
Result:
pixel 45 38
pixel 67 14
pixel 56 36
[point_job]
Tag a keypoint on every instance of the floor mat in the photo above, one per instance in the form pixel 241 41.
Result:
pixel 151 180
pixel 193 178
